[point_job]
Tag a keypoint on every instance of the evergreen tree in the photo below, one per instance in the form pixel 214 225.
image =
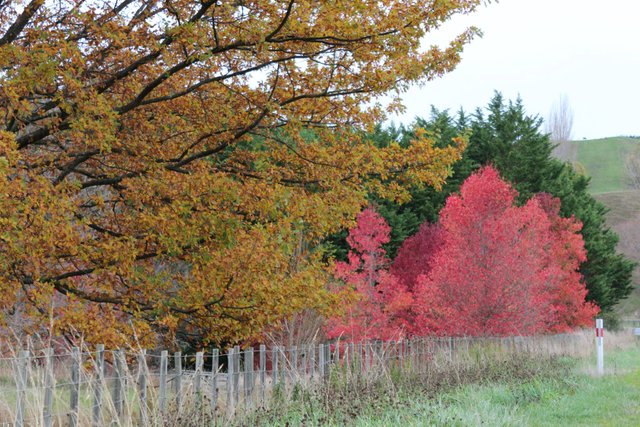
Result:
pixel 425 203
pixel 505 136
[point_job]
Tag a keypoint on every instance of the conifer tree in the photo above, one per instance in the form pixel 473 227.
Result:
pixel 505 136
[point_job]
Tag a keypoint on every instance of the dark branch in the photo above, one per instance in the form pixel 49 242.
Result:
pixel 282 23
pixel 16 28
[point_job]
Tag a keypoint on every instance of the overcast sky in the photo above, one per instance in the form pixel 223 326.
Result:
pixel 541 49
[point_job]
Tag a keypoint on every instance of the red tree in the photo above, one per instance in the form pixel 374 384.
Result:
pixel 380 296
pixel 567 291
pixel 415 256
pixel 489 267
pixel 499 269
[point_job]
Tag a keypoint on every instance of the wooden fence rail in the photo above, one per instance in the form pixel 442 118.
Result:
pixel 105 386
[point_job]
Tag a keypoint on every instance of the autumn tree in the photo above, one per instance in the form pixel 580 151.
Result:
pixel 156 176
pixel 380 300
pixel 564 286
pixel 499 268
pixel 483 282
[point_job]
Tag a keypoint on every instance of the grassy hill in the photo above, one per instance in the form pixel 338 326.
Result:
pixel 604 161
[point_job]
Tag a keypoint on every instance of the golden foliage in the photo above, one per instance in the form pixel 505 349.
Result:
pixel 161 161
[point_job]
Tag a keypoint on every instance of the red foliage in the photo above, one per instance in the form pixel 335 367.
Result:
pixel 489 267
pixel 381 297
pixel 567 290
pixel 485 279
pixel 494 268
pixel 415 256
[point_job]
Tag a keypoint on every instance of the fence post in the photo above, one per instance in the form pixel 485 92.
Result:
pixel 197 380
pixel 312 361
pixel 162 387
pixel 345 359
pixel 367 355
pixel 236 374
pixel 321 361
pixel 230 376
pixel 21 386
pixel 352 351
pixel 283 370
pixel 372 354
pixel 142 383
pixel 215 365
pixel 412 354
pixel 294 365
pixel 263 368
pixel 98 384
pixel 397 348
pixel 248 377
pixel 119 362
pixel 74 392
pixel 304 361
pixel 327 359
pixel 274 365
pixel 600 345
pixel 47 414
pixel 450 349
pixel 177 379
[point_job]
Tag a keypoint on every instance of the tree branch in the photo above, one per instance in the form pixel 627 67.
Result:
pixel 16 28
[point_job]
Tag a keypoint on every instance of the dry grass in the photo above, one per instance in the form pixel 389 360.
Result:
pixel 430 365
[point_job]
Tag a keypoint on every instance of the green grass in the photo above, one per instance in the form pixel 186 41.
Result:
pixel 564 393
pixel 578 399
pixel 590 401
pixel 604 161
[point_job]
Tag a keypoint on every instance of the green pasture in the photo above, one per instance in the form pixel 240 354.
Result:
pixel 604 161
pixel 575 398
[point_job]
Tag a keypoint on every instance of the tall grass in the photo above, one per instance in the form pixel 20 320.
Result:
pixel 391 379
pixel 446 389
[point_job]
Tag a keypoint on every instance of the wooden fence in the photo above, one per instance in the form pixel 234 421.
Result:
pixel 118 387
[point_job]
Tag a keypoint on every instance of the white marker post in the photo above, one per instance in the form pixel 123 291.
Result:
pixel 600 345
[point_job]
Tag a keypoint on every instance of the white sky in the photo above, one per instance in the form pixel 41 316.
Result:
pixel 588 50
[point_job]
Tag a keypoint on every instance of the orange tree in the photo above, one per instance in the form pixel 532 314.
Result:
pixel 158 175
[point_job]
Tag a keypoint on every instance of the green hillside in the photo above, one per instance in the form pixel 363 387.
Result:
pixel 624 218
pixel 604 161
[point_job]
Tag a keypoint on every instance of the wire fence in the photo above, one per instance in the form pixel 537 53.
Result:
pixel 118 387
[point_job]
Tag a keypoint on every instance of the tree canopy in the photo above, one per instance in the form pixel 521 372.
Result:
pixel 505 136
pixel 501 269
pixel 155 172
pixel 487 267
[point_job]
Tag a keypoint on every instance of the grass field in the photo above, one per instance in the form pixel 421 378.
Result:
pixel 604 161
pixel 550 392
pixel 578 399
pixel 622 205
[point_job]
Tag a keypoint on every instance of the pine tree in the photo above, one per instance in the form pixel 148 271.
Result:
pixel 505 136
